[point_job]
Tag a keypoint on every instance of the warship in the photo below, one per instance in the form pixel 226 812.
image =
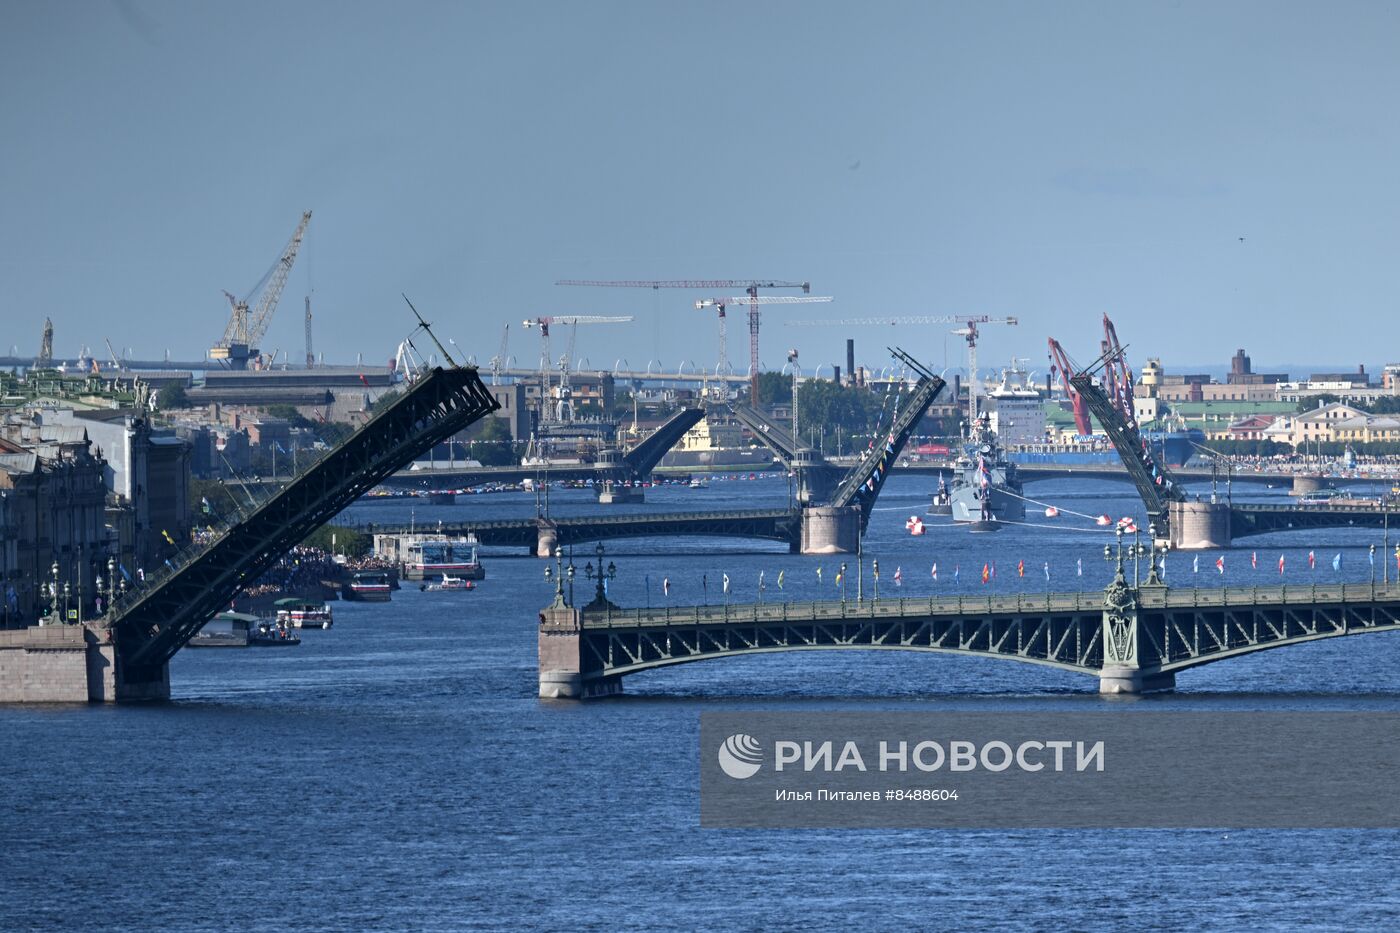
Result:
pixel 986 491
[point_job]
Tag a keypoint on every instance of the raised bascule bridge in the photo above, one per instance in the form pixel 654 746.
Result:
pixel 832 510
pixel 1175 518
pixel 125 655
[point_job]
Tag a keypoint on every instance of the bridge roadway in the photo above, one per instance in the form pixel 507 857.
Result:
pixel 1132 640
pixel 540 535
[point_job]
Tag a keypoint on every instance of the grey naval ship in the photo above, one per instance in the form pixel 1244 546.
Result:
pixel 986 491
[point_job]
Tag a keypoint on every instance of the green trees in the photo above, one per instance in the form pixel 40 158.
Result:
pixel 171 395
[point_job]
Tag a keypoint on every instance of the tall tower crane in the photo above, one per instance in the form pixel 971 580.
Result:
pixel 246 328
pixel 719 304
pixel 544 323
pixel 968 331
pixel 750 287
pixel 310 356
pixel 500 360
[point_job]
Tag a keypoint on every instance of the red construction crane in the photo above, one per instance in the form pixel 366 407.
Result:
pixel 1117 374
pixel 1059 360
pixel 750 287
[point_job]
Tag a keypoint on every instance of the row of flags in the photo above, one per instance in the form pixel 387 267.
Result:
pixel 989 571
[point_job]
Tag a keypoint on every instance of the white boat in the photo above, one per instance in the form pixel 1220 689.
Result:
pixel 449 584
pixel 699 484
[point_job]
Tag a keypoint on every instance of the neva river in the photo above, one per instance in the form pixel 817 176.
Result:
pixel 398 771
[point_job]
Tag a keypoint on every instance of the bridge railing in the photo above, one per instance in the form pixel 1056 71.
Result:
pixel 851 609
pixel 974 606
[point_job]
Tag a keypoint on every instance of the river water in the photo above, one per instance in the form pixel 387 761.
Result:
pixel 399 772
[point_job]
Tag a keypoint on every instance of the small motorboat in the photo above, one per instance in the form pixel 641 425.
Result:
pixel 699 484
pixel 448 584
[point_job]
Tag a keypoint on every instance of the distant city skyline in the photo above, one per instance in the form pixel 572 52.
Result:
pixel 1207 174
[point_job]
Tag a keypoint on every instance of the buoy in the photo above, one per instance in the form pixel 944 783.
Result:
pixel 1052 512
pixel 1103 520
pixel 915 525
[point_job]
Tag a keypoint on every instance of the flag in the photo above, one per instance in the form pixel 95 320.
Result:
pixel 819 575
pixel 760 581
pixel 364 380
pixel 994 570
pixel 1373 556
pixel 1312 561
pixel 280 448
pixel 1254 559
pixel 705 582
pixel 935 570
pixel 166 535
pixel 205 504
pixel 876 571
pixel 1337 562
pixel 780 579
pixel 1280 565
pixel 1196 564
pixel 666 586
pixel 1079 567
pixel 839 577
pixel 957 572
pixel 726 583
pixel 898 577
pixel 986 572
pixel 1047 571
pixel 1021 568
pixel 126 575
pixel 1220 564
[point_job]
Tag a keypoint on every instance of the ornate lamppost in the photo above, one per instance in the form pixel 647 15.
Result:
pixel 601 575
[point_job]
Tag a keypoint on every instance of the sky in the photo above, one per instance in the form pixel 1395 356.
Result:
pixel 1211 175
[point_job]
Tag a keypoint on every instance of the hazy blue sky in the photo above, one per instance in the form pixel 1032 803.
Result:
pixel 1045 160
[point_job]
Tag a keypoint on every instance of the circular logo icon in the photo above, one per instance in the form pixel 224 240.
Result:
pixel 740 756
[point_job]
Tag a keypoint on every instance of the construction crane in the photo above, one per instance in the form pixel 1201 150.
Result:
pixel 968 331
pixel 1117 375
pixel 546 364
pixel 116 360
pixel 500 361
pixel 719 304
pixel 1059 361
pixel 246 328
pixel 310 356
pixel 750 287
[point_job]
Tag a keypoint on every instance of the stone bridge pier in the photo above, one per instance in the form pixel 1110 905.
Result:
pixel 1198 526
pixel 71 664
pixel 830 529
pixel 561 661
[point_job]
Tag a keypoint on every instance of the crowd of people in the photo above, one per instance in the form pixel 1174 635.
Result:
pixel 304 568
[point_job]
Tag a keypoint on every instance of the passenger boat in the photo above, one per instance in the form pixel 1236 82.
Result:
pixel 303 613
pixel 449 584
pixel 368 586
pixel 431 559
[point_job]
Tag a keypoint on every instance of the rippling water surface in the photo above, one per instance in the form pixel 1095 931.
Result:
pixel 399 772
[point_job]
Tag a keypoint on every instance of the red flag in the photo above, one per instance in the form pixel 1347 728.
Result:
pixel 1312 561
pixel 364 380
pixel 1280 565
pixel 986 573
pixel 1021 569
pixel 1254 559
pixel 1220 563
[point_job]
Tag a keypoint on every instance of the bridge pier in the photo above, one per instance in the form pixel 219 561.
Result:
pixel 546 541
pixel 71 664
pixel 1305 484
pixel 610 494
pixel 1133 680
pixel 1199 526
pixel 560 645
pixel 830 529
